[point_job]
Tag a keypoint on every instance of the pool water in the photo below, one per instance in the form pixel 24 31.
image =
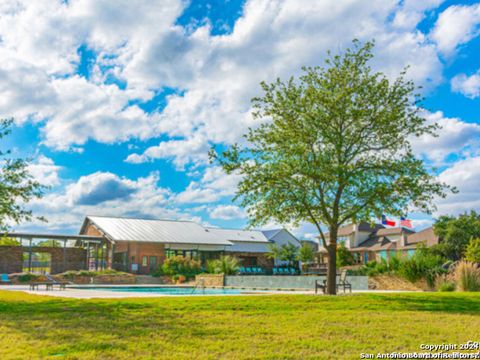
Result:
pixel 170 290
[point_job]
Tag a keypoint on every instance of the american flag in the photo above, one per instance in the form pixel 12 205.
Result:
pixel 405 222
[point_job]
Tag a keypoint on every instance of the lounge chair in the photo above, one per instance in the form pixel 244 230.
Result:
pixel 4 279
pixel 342 282
pixel 322 285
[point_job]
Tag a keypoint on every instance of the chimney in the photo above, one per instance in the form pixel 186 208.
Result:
pixel 403 239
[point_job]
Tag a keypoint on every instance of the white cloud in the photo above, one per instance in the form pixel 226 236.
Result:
pixel 467 85
pixel 109 195
pixel 455 137
pixel 140 44
pixel 182 152
pixel 456 26
pixel 213 186
pixel 411 12
pixel 45 171
pixel 465 175
pixel 227 212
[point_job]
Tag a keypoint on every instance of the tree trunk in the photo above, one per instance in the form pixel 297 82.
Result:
pixel 332 263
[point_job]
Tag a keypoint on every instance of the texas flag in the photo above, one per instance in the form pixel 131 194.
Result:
pixel 388 222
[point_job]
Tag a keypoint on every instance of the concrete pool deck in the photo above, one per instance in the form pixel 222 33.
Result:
pixel 78 292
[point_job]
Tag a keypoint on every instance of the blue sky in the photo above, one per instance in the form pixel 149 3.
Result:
pixel 117 103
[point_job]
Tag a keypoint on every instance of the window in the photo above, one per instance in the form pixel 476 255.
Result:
pixel 410 252
pixel 383 254
pixel 144 260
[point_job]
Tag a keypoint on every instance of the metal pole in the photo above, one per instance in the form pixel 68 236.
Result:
pixel 30 257
pixel 64 254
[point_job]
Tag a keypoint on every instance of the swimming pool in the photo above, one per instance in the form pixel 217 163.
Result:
pixel 169 290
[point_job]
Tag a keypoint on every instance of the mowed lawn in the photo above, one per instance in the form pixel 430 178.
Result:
pixel 233 327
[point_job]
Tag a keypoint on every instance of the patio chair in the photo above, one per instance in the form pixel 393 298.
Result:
pixel 320 284
pixel 4 279
pixel 342 282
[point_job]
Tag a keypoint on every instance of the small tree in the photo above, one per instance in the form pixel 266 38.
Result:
pixel 17 186
pixel 306 254
pixel 227 265
pixel 289 253
pixel 334 147
pixel 274 252
pixel 472 253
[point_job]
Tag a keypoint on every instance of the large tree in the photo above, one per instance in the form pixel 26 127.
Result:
pixel 334 147
pixel 17 187
pixel 455 233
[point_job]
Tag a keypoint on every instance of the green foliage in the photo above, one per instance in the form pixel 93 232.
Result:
pixel 467 276
pixel 344 257
pixel 306 254
pixel 88 273
pixel 287 252
pixel 50 243
pixel 456 232
pixel 27 277
pixel 179 265
pixel 227 265
pixel 336 149
pixel 274 251
pixel 444 283
pixel 7 241
pixel 17 186
pixel 472 252
pixel 422 265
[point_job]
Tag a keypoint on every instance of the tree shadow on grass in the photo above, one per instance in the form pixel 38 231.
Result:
pixel 454 303
pixel 68 326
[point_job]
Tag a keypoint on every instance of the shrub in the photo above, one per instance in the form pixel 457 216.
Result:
pixel 27 277
pixel 444 283
pixel 422 265
pixel 344 257
pixel 467 276
pixel 227 265
pixel 179 265
pixel 472 252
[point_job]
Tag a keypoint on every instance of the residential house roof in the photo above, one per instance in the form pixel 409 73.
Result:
pixel 427 235
pixel 351 228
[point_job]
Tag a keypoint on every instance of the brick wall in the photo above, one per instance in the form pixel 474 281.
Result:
pixel 210 280
pixel 11 258
pixel 137 250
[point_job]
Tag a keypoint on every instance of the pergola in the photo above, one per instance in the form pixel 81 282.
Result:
pixel 88 242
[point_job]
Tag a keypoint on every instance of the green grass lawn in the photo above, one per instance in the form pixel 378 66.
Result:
pixel 235 327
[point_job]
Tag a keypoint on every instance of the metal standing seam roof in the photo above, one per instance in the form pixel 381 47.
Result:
pixel 240 235
pixel 161 231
